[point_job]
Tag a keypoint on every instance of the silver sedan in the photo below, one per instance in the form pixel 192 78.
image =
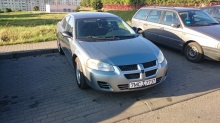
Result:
pixel 107 54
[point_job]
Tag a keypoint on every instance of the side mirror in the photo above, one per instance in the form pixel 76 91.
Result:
pixel 67 34
pixel 135 29
pixel 175 25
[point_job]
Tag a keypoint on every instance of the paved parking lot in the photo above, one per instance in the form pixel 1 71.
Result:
pixel 43 89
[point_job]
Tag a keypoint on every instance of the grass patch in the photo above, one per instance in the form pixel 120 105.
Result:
pixel 21 34
pixel 27 27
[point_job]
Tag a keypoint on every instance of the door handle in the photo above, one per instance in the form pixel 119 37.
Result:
pixel 161 28
pixel 145 24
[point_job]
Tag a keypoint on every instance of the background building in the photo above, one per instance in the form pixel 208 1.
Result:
pixel 28 5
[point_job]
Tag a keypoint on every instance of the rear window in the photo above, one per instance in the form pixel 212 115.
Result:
pixel 142 14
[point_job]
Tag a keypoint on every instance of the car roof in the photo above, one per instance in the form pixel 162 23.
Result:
pixel 178 9
pixel 79 15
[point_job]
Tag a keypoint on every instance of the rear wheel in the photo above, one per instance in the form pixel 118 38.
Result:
pixel 59 48
pixel 194 52
pixel 80 78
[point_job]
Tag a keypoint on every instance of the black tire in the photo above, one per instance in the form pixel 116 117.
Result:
pixel 80 78
pixel 194 52
pixel 59 48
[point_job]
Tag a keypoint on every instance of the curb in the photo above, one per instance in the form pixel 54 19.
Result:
pixel 18 54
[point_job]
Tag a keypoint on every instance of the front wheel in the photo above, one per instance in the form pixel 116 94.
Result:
pixel 194 52
pixel 80 78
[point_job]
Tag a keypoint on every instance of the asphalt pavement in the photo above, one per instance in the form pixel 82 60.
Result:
pixel 38 85
pixel 203 109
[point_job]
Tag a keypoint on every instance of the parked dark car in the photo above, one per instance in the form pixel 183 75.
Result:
pixel 214 11
pixel 190 30
pixel 107 54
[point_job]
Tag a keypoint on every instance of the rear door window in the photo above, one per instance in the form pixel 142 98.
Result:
pixel 142 14
pixel 154 16
pixel 217 13
pixel 208 10
pixel 170 18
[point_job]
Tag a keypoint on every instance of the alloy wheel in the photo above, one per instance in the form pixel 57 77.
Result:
pixel 78 74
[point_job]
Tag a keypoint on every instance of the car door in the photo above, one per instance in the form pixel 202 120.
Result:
pixel 152 27
pixel 62 28
pixel 67 40
pixel 171 30
pixel 139 19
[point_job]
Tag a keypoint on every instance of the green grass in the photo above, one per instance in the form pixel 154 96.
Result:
pixel 125 15
pixel 27 27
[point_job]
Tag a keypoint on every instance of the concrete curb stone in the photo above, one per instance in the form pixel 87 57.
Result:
pixel 29 49
pixel 26 53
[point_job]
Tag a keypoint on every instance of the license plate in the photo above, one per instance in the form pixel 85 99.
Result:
pixel 142 83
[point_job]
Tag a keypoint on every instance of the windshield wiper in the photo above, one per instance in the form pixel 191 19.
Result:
pixel 213 24
pixel 93 37
pixel 121 36
pixel 197 25
pixel 90 37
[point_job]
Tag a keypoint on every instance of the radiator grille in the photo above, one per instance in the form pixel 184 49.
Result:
pixel 150 73
pixel 149 64
pixel 128 67
pixel 132 76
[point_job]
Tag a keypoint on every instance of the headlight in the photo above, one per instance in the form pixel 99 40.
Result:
pixel 98 65
pixel 160 57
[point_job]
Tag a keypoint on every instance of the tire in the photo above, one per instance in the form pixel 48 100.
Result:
pixel 80 78
pixel 194 52
pixel 59 48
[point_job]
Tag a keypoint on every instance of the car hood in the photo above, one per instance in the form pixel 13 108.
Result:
pixel 121 52
pixel 212 31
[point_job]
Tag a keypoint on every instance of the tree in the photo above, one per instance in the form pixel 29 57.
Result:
pixel 97 5
pixel 8 10
pixel 85 3
pixel 77 8
pixel 36 8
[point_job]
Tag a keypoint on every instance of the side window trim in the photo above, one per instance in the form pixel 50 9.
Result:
pixel 161 16
pixel 150 10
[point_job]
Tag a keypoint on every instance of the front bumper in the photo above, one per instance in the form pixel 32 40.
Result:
pixel 211 53
pixel 118 82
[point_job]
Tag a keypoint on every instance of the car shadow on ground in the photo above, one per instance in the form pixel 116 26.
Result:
pixel 43 88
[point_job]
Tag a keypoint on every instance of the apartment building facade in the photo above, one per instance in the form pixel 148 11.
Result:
pixel 28 5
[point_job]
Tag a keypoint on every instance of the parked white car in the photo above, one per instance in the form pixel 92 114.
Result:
pixel 190 30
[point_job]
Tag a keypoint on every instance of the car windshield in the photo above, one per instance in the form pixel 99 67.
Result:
pixel 197 18
pixel 103 28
